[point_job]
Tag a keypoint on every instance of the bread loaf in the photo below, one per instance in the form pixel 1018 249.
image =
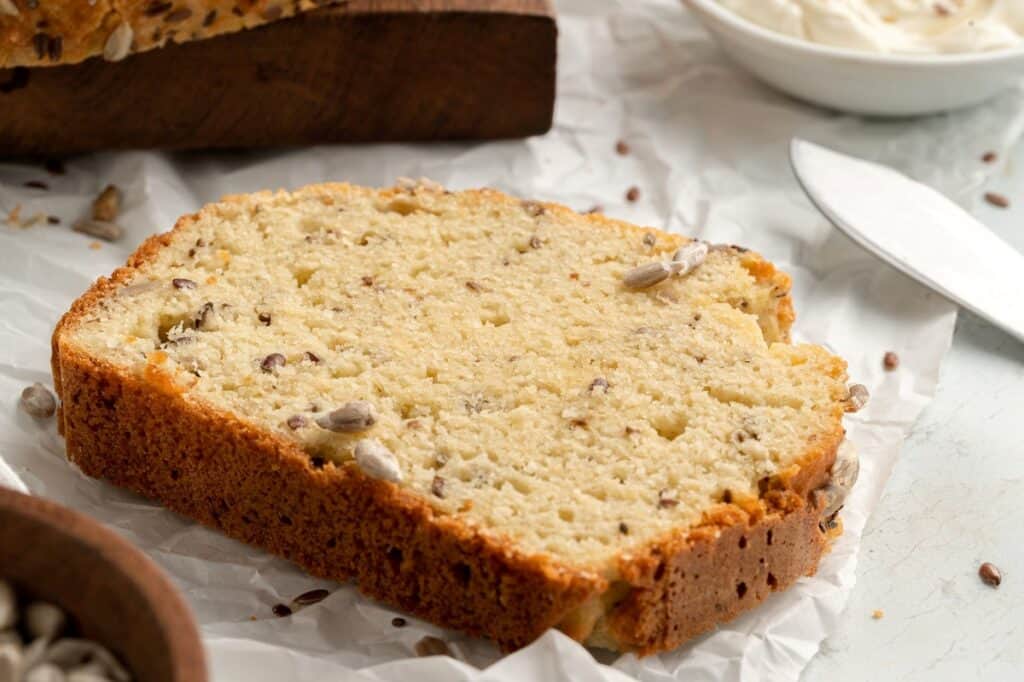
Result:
pixel 52 32
pixel 468 403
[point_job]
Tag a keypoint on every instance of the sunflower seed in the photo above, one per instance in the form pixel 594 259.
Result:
pixel 86 673
pixel 311 597
pixel 107 205
pixel 534 208
pixel 37 401
pixel 647 275
pixel 101 230
pixel 68 652
pixel 352 417
pixel 182 283
pixel 377 461
pixel 119 43
pixel 665 500
pixel 11 657
pixel 272 362
pixel 858 397
pixel 990 575
pixel 432 646
pixel 689 257
pixel 207 319
pixel 44 620
pixel 45 672
pixel 437 487
pixel 843 475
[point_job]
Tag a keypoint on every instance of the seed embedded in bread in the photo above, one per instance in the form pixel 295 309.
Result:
pixel 351 417
pixel 377 461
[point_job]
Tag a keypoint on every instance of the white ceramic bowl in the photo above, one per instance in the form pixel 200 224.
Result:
pixel 861 82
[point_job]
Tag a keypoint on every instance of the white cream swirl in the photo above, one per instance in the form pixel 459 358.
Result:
pixel 893 26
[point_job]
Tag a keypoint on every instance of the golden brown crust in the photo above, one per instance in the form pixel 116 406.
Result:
pixel 264 490
pixel 687 584
pixel 52 32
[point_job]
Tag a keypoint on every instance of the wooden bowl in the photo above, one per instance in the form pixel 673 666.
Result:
pixel 114 593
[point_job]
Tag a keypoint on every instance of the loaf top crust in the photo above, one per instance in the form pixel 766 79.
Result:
pixel 54 32
pixel 520 387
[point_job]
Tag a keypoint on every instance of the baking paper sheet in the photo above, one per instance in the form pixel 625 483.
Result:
pixel 705 140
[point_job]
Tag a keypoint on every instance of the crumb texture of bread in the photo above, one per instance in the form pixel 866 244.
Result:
pixel 527 396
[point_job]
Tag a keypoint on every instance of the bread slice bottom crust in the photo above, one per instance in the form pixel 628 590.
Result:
pixel 336 523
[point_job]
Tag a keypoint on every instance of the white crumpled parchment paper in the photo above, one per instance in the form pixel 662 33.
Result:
pixel 705 139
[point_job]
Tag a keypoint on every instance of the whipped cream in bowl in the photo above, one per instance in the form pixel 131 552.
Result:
pixel 875 57
pixel 892 26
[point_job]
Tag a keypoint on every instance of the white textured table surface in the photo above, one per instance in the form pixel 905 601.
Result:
pixel 953 502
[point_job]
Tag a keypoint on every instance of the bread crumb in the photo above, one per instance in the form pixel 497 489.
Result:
pixel 878 614
pixel 14 217
pixel 95 246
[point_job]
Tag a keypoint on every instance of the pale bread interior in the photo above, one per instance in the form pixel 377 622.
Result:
pixel 482 330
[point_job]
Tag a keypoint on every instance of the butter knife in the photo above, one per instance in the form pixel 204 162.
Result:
pixel 916 230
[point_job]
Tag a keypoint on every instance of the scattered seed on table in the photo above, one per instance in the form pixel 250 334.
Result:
pixel 432 646
pixel 621 148
pixel 997 200
pixel 398 622
pixel 890 361
pixel 281 611
pixel 37 184
pixel 989 157
pixel 107 204
pixel 311 597
pixel 53 220
pixel 37 401
pixel 633 194
pixel 99 229
pixel 990 575
pixel 878 614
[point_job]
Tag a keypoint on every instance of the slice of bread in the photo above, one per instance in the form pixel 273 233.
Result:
pixel 455 399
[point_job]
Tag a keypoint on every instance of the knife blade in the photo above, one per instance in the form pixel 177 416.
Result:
pixel 917 230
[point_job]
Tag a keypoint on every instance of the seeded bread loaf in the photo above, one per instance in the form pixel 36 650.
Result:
pixel 456 400
pixel 51 32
